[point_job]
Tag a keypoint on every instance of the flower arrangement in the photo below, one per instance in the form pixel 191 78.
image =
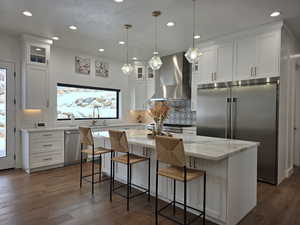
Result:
pixel 159 113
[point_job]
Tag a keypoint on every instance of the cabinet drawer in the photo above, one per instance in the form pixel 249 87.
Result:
pixel 45 136
pixel 46 146
pixel 46 160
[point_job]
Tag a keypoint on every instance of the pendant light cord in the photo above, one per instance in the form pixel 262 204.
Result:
pixel 194 21
pixel 127 46
pixel 155 35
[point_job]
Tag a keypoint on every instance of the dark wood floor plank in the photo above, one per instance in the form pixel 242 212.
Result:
pixel 53 197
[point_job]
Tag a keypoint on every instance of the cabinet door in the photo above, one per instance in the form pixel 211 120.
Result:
pixel 224 62
pixel 195 82
pixel 140 95
pixel 207 65
pixel 38 54
pixel 36 96
pixel 268 53
pixel 245 57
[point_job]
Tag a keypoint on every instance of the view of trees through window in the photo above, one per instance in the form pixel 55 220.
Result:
pixel 86 102
pixel 2 112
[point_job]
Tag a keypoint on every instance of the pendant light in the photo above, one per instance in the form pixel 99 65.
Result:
pixel 194 53
pixel 127 67
pixel 155 62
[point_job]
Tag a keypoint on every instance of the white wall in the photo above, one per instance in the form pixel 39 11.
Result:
pixel 61 70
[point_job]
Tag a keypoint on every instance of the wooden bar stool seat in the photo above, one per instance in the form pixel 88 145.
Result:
pixel 119 144
pixel 132 159
pixel 87 140
pixel 97 151
pixel 177 173
pixel 171 151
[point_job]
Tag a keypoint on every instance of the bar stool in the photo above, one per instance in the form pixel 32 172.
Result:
pixel 171 151
pixel 118 140
pixel 86 140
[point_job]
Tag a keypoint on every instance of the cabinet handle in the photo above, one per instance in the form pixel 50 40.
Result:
pixel 251 71
pixel 215 76
pixel 49 145
pixel 212 76
pixel 255 71
pixel 47 135
pixel 47 159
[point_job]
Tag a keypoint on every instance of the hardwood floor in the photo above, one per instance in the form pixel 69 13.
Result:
pixel 53 198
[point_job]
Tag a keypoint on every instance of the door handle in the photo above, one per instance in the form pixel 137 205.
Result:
pixel 227 122
pixel 234 118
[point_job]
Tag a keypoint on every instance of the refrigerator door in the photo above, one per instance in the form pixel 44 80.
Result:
pixel 254 118
pixel 213 112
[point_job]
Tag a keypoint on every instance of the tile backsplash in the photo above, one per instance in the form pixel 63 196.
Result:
pixel 181 113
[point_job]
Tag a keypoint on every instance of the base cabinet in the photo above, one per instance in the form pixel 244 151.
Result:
pixel 42 150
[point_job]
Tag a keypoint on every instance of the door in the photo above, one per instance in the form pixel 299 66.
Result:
pixel 7 116
pixel 268 53
pixel 254 118
pixel 207 65
pixel 213 112
pixel 245 57
pixel 297 117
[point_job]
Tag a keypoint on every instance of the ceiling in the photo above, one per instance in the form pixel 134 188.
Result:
pixel 100 22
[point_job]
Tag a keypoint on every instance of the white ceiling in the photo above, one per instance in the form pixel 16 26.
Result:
pixel 100 21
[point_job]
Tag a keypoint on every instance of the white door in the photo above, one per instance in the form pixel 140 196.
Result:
pixel 7 116
pixel 268 54
pixel 225 62
pixel 297 117
pixel 207 65
pixel 245 58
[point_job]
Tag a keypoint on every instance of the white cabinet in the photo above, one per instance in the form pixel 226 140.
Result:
pixel 42 150
pixel 207 65
pixel 35 72
pixel 225 58
pixel 258 56
pixel 194 86
pixel 35 95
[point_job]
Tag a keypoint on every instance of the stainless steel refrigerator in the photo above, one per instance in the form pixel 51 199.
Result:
pixel 245 111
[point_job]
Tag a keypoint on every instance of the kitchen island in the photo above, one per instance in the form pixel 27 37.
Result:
pixel 231 167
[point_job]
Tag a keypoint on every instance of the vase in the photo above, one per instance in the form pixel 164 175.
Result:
pixel 158 128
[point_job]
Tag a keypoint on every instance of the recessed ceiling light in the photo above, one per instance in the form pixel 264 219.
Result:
pixel 275 13
pixel 38 49
pixel 118 1
pixel 72 27
pixel 196 36
pixel 121 42
pixel 55 38
pixel 155 53
pixel 134 58
pixel 101 49
pixel 27 13
pixel 171 24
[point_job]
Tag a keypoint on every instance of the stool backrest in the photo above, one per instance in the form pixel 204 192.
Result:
pixel 86 136
pixel 170 150
pixel 118 141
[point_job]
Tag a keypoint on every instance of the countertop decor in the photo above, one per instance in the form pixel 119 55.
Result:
pixel 159 112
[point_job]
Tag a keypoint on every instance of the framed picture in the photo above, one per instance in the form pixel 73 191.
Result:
pixel 82 65
pixel 101 68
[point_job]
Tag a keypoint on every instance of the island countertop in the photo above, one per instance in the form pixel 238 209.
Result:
pixel 196 146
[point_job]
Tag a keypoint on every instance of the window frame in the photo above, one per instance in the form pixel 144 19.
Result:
pixel 95 88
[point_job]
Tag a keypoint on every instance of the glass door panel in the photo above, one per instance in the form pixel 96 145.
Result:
pixel 3 73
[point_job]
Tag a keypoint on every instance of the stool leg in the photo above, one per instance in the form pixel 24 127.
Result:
pixel 128 180
pixel 93 171
pixel 100 167
pixel 204 198
pixel 130 177
pixel 111 175
pixel 80 169
pixel 156 194
pixel 174 197
pixel 149 178
pixel 185 222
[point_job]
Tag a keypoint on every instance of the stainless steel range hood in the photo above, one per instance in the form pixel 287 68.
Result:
pixel 173 80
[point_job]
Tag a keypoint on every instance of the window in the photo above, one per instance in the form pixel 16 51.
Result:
pixel 86 102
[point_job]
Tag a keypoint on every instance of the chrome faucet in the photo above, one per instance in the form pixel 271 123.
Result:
pixel 94 121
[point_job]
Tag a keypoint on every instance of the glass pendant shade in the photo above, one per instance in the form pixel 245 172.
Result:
pixel 155 62
pixel 193 55
pixel 127 69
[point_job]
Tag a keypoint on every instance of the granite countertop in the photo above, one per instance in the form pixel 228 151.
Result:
pixel 196 146
pixel 76 127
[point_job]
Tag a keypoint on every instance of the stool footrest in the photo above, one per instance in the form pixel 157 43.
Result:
pixel 175 220
pixel 131 196
pixel 95 182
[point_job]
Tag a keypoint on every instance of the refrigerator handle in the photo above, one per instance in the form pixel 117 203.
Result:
pixel 227 125
pixel 234 118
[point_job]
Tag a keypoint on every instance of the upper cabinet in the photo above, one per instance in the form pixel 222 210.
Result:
pixel 258 56
pixel 142 87
pixel 207 65
pixel 224 71
pixel 35 72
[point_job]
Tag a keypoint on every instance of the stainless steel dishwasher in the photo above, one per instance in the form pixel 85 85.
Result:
pixel 72 147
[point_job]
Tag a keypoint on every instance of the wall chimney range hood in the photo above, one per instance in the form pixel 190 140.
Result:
pixel 173 80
